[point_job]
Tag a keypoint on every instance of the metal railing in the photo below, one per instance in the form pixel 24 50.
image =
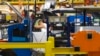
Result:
pixel 41 1
pixel 50 50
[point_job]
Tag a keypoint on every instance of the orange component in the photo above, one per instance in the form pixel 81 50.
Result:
pixel 94 53
pixel 88 45
pixel 88 41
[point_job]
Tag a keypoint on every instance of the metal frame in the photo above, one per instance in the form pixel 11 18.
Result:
pixel 49 47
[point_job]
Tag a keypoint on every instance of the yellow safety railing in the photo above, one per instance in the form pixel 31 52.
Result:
pixel 42 1
pixel 49 47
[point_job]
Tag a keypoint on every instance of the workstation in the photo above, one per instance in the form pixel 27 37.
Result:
pixel 49 27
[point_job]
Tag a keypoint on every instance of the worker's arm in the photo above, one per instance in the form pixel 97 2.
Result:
pixel 39 26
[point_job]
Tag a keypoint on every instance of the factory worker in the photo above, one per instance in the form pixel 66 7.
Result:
pixel 10 10
pixel 89 15
pixel 68 5
pixel 90 18
pixel 62 5
pixel 41 25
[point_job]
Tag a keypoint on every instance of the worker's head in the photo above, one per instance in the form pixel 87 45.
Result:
pixel 37 9
pixel 40 21
pixel 10 9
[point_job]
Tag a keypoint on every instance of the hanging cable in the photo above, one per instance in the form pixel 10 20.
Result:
pixel 29 21
pixel 35 9
pixel 28 8
pixel 72 3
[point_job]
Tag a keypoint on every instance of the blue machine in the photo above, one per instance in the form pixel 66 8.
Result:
pixel 18 33
pixel 80 18
pixel 72 20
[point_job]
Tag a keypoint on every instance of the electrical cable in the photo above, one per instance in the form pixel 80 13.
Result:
pixel 28 9
pixel 35 8
pixel 29 22
pixel 72 3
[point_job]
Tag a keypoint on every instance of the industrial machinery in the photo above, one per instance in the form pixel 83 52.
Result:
pixel 87 40
pixel 57 29
pixel 86 37
pixel 60 28
pixel 5 22
pixel 18 32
